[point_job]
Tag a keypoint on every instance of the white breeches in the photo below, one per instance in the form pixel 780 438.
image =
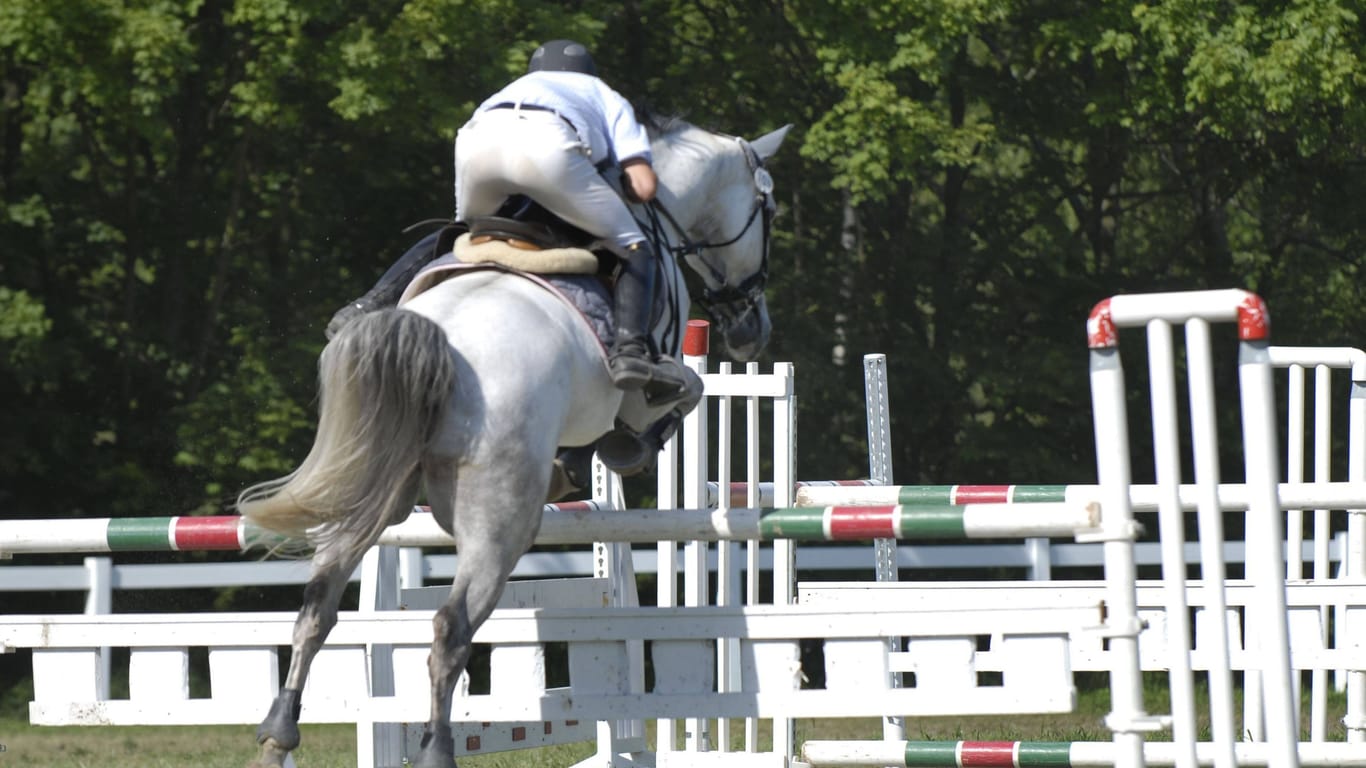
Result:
pixel 504 152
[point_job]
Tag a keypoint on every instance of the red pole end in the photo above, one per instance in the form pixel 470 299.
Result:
pixel 695 338
pixel 1254 321
pixel 1100 327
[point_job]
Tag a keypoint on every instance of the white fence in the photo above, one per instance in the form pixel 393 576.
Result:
pixel 912 649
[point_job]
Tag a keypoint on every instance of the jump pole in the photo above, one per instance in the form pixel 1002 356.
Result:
pixel 1050 754
pixel 579 526
pixel 1142 497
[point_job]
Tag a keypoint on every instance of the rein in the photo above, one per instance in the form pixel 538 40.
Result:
pixel 728 301
pixel 688 247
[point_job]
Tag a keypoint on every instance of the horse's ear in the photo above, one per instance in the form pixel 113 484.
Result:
pixel 768 144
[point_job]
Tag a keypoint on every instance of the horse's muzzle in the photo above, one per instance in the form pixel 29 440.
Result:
pixel 745 333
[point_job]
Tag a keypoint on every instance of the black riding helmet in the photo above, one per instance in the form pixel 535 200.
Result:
pixel 562 56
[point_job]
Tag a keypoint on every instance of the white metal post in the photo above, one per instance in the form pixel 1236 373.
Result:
pixel 1127 715
pixel 727 589
pixel 1294 470
pixel 666 565
pixel 379 744
pixel 784 553
pixel 1210 522
pixel 614 561
pixel 1172 540
pixel 696 574
pixel 1266 553
pixel 753 468
pixel 99 600
pixel 1356 538
pixel 1323 432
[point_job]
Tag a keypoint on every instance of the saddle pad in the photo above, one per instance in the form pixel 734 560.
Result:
pixel 549 261
pixel 585 293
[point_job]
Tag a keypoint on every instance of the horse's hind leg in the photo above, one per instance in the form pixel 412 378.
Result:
pixel 333 564
pixel 492 530
pixel 278 734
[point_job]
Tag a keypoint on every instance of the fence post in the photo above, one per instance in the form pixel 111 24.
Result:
pixel 379 744
pixel 876 402
pixel 99 600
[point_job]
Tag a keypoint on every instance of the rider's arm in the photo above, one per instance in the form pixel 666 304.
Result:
pixel 640 179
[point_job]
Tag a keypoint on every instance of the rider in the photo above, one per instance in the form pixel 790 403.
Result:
pixel 548 135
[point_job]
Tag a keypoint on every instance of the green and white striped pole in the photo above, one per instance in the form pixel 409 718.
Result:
pixel 582 523
pixel 1050 754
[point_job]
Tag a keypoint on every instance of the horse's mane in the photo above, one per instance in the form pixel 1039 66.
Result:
pixel 660 125
pixel 676 133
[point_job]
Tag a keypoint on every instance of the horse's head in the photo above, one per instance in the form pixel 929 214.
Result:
pixel 726 207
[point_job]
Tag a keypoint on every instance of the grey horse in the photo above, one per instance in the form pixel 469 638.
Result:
pixel 469 389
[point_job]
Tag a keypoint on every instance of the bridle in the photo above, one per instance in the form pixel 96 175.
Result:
pixel 729 302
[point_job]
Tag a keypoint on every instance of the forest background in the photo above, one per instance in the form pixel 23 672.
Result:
pixel 190 188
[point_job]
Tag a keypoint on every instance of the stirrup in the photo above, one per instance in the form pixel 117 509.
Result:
pixel 625 452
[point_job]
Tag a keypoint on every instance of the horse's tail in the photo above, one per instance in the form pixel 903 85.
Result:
pixel 383 383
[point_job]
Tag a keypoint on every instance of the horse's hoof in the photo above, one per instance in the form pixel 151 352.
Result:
pixel 281 726
pixel 272 755
pixel 571 472
pixel 560 484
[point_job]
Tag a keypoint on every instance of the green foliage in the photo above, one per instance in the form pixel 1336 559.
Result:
pixel 1258 69
pixel 22 323
pixel 230 451
pixel 188 189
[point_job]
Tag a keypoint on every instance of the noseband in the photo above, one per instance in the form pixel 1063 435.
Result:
pixel 729 302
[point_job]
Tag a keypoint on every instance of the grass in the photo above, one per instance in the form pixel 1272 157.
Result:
pixel 160 747
pixel 333 746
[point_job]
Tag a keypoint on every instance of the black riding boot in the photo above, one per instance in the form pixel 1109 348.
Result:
pixel 391 284
pixel 632 362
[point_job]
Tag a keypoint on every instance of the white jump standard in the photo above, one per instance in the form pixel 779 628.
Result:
pixel 1196 310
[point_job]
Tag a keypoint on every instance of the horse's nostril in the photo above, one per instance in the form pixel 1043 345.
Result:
pixel 746 340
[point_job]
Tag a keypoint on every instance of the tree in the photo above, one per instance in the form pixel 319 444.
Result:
pixel 190 188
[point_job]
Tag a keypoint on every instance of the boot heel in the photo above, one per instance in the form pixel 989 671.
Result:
pixel 629 373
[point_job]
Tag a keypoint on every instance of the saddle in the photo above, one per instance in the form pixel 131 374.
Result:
pixel 524 235
pixel 524 232
pixel 526 224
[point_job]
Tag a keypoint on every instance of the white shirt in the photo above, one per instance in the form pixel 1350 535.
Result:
pixel 604 119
